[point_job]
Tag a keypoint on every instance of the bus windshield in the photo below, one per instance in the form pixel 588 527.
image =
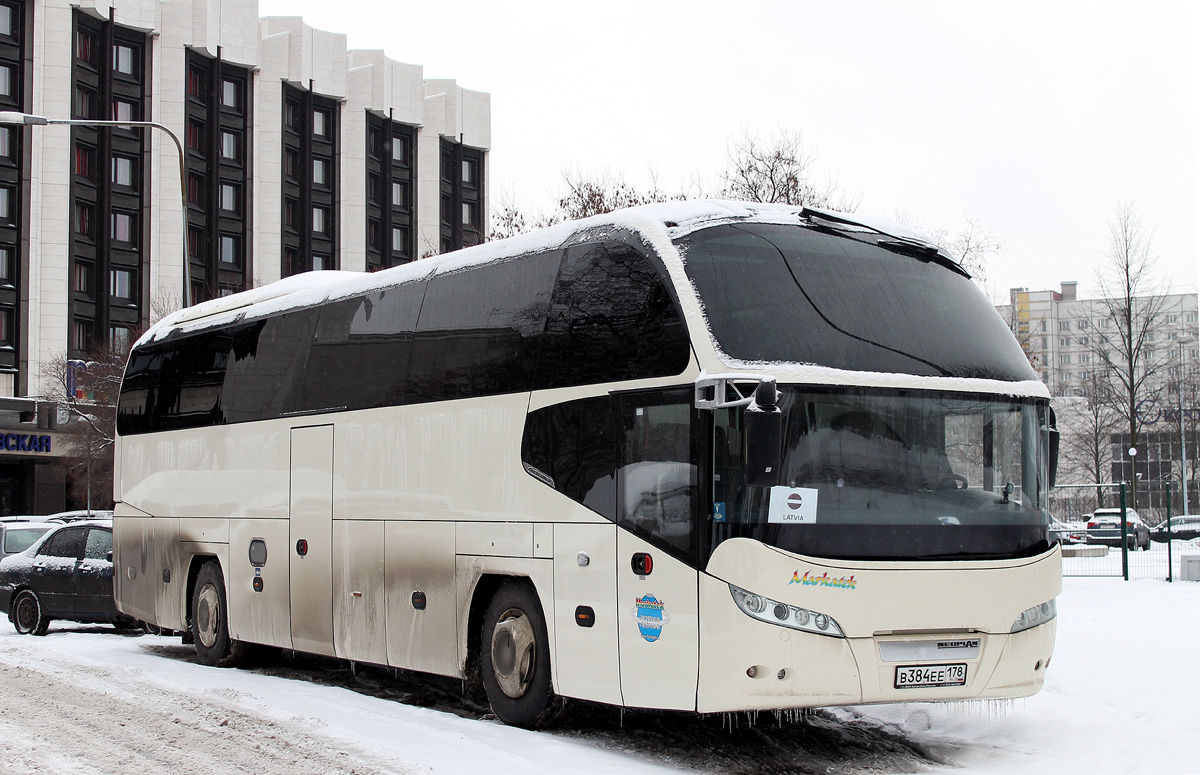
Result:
pixel 778 293
pixel 894 476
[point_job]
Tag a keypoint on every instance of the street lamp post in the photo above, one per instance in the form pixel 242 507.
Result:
pixel 28 119
pixel 1183 345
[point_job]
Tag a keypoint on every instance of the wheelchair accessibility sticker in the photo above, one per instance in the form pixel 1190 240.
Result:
pixel 650 616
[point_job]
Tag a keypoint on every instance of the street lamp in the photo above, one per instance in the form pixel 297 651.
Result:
pixel 13 117
pixel 1183 345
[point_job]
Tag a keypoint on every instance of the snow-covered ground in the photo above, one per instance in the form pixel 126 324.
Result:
pixel 1122 695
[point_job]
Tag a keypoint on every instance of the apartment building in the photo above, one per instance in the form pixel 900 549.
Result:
pixel 298 154
pixel 1060 334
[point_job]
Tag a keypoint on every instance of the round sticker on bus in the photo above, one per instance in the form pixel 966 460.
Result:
pixel 650 615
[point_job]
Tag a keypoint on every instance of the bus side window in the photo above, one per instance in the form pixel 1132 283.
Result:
pixel 575 446
pixel 480 330
pixel 659 482
pixel 611 318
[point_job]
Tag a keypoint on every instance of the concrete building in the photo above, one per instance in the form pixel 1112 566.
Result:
pixel 1060 333
pixel 299 154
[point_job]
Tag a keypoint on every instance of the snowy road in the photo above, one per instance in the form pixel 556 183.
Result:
pixel 1119 698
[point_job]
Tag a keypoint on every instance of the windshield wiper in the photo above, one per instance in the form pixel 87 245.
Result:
pixel 905 244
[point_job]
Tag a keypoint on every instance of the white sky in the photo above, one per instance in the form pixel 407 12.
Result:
pixel 1035 118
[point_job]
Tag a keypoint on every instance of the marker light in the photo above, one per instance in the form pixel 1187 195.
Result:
pixel 774 612
pixel 1032 617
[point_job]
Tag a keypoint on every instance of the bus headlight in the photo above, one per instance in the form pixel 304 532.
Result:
pixel 1032 617
pixel 774 612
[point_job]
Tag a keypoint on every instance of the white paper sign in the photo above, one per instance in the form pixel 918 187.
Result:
pixel 792 506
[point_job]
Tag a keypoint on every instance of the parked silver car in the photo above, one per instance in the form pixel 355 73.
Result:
pixel 1104 527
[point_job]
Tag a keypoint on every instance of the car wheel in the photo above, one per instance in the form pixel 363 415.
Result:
pixel 210 620
pixel 515 657
pixel 28 617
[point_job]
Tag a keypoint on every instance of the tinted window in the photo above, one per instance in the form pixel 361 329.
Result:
pixel 575 445
pixel 611 318
pixel 789 293
pixel 99 544
pixel 480 329
pixel 67 542
pixel 266 366
pixel 359 354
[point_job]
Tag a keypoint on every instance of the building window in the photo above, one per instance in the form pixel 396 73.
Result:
pixel 399 239
pixel 320 262
pixel 196 83
pixel 468 213
pixel 319 220
pixel 82 335
pixel 468 173
pixel 320 172
pixel 85 45
pixel 83 161
pixel 1193 317
pixel 195 242
pixel 289 213
pixel 123 59
pixel 230 250
pixel 123 110
pixel 85 103
pixel 1064 325
pixel 1064 359
pixel 372 233
pixel 121 284
pixel 83 220
pixel 83 278
pixel 7 204
pixel 6 20
pixel 400 194
pixel 231 94
pixel 119 339
pixel 7 81
pixel 6 327
pixel 229 197
pixel 195 136
pixel 291 260
pixel 195 189
pixel 400 149
pixel 6 145
pixel 320 123
pixel 229 146
pixel 6 265
pixel 122 170
pixel 291 161
pixel 123 229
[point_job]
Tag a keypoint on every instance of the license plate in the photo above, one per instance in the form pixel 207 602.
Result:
pixel 930 676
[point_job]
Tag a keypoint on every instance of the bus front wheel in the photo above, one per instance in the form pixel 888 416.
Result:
pixel 210 622
pixel 515 657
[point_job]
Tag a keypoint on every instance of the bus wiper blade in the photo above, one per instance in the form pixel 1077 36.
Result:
pixel 910 245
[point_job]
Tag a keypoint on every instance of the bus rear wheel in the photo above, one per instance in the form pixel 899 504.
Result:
pixel 210 621
pixel 515 658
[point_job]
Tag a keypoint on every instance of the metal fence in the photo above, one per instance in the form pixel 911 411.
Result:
pixel 1137 553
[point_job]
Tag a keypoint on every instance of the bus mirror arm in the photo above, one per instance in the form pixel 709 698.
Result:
pixel 1052 451
pixel 764 437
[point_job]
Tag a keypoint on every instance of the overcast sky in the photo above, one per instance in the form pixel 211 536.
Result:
pixel 1035 119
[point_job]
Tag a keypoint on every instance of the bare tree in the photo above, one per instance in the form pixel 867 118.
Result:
pixel 1086 425
pixel 594 194
pixel 87 389
pixel 1122 340
pixel 779 169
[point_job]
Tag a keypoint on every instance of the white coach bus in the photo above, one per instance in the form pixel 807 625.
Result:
pixel 698 456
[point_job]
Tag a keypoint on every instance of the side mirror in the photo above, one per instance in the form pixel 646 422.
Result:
pixel 764 437
pixel 1053 452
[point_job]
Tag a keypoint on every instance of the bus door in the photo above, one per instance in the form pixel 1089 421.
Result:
pixel 312 539
pixel 657 505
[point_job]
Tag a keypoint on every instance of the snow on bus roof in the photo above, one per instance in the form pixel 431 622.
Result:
pixel 657 224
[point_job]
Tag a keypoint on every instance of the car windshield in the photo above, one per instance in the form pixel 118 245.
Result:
pixel 775 293
pixel 896 476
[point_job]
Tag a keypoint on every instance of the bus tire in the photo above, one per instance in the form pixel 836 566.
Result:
pixel 515 657
pixel 28 618
pixel 210 619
